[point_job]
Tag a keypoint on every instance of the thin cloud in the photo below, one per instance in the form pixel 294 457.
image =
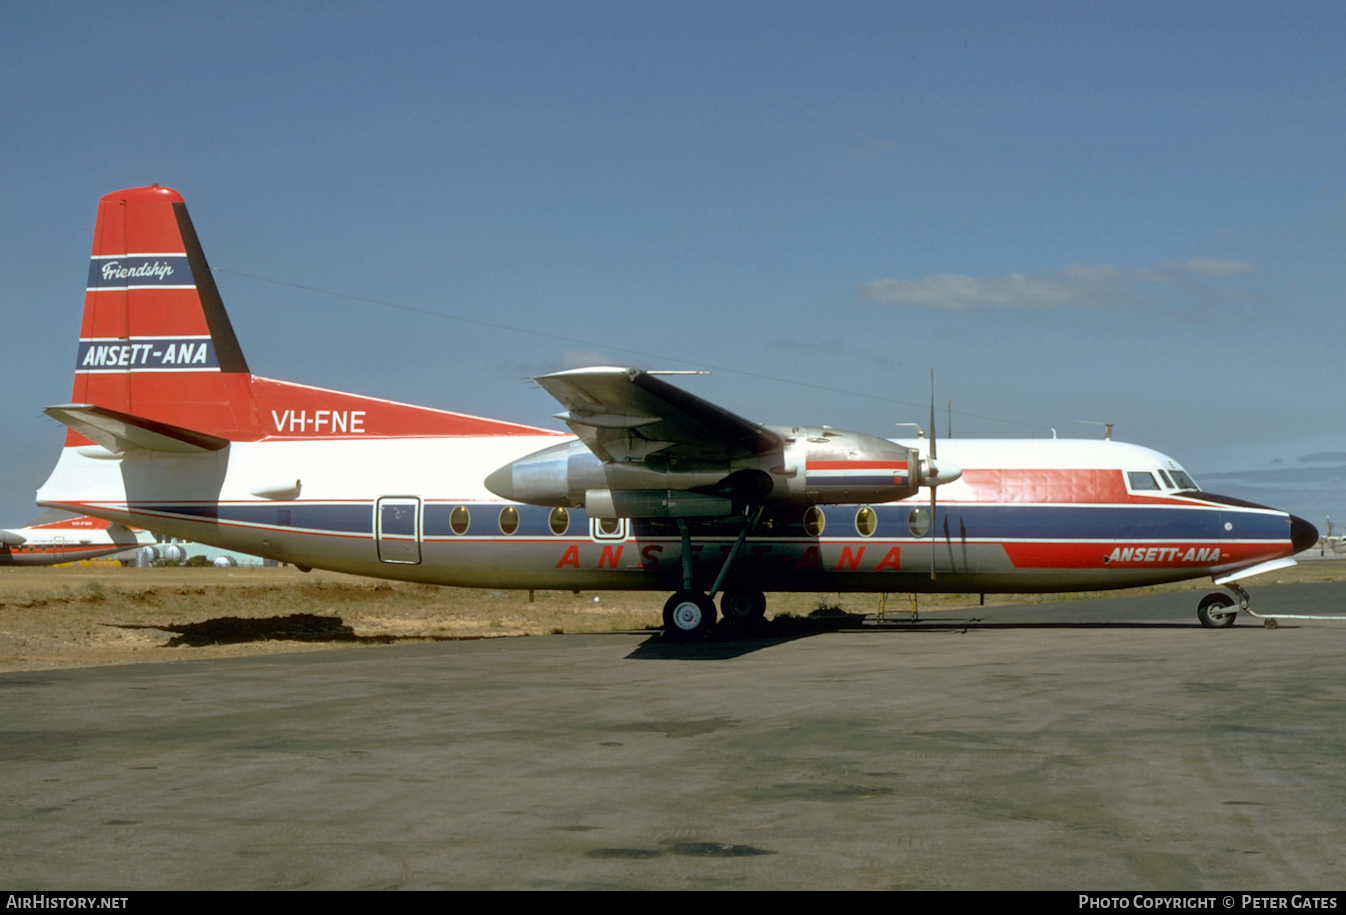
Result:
pixel 1324 456
pixel 1175 284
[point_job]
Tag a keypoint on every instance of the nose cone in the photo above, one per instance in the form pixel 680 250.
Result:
pixel 1302 534
pixel 937 473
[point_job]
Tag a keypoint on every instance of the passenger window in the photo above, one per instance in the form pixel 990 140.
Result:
pixel 814 521
pixel 918 522
pixel 866 521
pixel 559 521
pixel 609 527
pixel 509 519
pixel 1141 479
pixel 459 519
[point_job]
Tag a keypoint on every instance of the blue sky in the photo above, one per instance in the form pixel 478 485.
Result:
pixel 1131 213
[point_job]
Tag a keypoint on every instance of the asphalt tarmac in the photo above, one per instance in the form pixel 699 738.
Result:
pixel 1096 744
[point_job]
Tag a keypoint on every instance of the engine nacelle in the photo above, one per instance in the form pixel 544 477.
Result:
pixel 814 465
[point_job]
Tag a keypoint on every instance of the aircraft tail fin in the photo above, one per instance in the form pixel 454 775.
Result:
pixel 159 366
pixel 155 340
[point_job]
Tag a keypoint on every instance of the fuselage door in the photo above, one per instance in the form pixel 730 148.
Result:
pixel 397 528
pixel 609 528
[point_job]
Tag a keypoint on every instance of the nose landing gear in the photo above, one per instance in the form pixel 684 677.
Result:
pixel 1214 612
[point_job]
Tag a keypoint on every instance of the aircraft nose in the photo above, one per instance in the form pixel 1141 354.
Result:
pixel 1302 534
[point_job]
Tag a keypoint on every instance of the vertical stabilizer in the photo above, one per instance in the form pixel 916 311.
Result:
pixel 155 340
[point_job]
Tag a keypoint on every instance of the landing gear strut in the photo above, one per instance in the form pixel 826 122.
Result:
pixel 690 614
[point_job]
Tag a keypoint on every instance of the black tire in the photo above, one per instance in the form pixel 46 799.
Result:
pixel 740 607
pixel 1213 612
pixel 688 615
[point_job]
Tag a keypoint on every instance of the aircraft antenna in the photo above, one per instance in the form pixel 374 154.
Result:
pixel 1107 427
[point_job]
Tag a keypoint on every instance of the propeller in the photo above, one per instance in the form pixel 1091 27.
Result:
pixel 937 474
pixel 934 448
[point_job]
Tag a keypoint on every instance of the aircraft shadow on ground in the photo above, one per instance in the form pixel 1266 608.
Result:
pixel 728 641
pixel 297 627
pixel 725 641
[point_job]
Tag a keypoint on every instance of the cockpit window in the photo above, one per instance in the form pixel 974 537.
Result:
pixel 1184 481
pixel 1141 479
pixel 1168 484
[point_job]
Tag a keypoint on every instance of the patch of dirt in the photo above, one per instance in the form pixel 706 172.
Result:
pixel 79 617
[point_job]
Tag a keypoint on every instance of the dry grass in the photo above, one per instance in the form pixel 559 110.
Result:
pixel 75 617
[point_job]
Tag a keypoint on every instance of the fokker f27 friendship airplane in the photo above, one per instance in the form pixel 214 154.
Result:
pixel 55 537
pixel 658 489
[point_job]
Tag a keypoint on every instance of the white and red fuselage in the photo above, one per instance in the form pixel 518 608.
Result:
pixel 68 539
pixel 333 480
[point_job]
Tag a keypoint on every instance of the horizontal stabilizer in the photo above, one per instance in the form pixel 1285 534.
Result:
pixel 121 432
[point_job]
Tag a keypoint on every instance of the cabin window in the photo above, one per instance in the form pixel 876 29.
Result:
pixel 609 527
pixel 559 521
pixel 509 519
pixel 1141 479
pixel 866 522
pixel 459 519
pixel 814 521
pixel 918 522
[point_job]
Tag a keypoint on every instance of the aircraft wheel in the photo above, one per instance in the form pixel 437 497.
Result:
pixel 1213 611
pixel 743 606
pixel 688 614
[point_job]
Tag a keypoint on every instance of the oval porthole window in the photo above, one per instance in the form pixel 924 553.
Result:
pixel 814 521
pixel 918 522
pixel 509 519
pixel 459 519
pixel 559 521
pixel 866 522
pixel 609 527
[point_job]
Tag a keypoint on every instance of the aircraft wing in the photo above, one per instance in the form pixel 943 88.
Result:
pixel 627 415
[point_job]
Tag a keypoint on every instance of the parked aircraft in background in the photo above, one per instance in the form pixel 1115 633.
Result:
pixel 56 536
pixel 658 489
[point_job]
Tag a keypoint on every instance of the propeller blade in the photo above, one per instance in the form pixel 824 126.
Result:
pixel 934 439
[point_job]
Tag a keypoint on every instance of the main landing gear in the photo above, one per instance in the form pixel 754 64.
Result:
pixel 690 614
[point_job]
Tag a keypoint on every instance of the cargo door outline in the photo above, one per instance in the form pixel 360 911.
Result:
pixel 397 529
